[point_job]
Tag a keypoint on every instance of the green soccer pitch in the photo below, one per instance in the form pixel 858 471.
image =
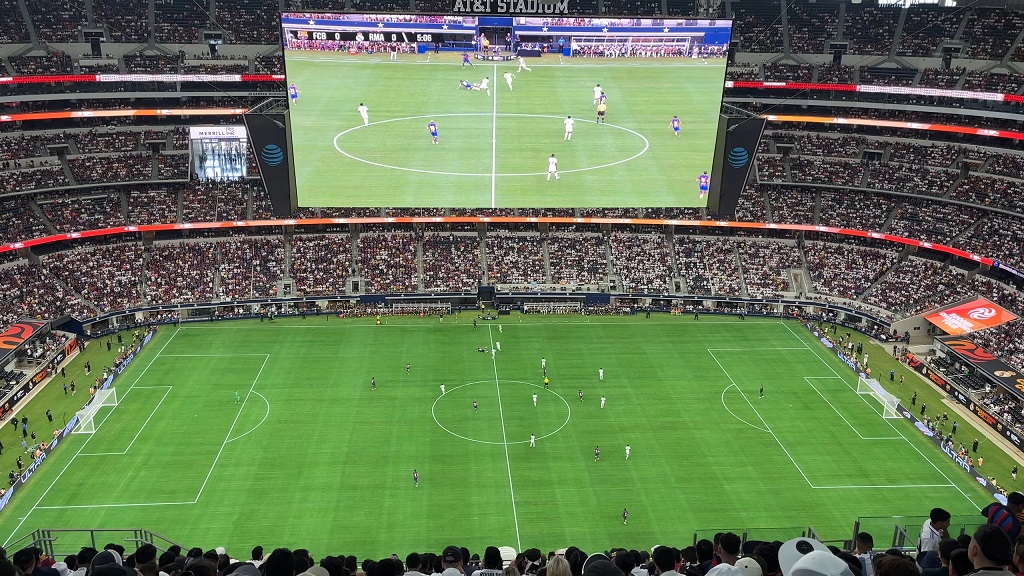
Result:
pixel 493 149
pixel 313 457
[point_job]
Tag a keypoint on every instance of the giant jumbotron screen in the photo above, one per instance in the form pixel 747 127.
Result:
pixel 424 110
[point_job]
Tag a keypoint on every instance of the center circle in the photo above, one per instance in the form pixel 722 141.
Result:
pixel 646 144
pixel 506 423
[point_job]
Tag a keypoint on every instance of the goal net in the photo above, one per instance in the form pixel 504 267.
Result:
pixel 890 405
pixel 87 415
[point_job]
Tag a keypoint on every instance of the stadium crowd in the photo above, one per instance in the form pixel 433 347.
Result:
pixel 989 545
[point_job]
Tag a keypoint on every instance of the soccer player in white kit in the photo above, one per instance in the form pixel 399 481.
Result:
pixel 365 113
pixel 523 66
pixel 442 389
pixel 543 360
pixel 485 85
pixel 597 94
pixel 508 80
pixel 602 402
pixel 600 373
pixel 533 440
pixel 497 345
pixel 493 352
pixel 534 400
pixel 552 169
pixel 627 451
pixel 569 123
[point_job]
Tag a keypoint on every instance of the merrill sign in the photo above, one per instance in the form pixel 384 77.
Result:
pixel 510 7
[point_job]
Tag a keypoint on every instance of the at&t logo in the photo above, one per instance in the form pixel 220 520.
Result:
pixel 738 157
pixel 272 154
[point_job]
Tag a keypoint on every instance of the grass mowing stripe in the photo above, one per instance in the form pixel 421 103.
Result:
pixel 86 443
pixel 366 443
pixel 504 439
pixel 766 426
pixel 914 446
pixel 840 414
pixel 266 357
pixel 167 390
pixel 494 143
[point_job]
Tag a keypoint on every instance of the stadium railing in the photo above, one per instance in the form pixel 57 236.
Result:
pixel 61 542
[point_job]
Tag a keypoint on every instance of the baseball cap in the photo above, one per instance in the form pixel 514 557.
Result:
pixel 593 558
pixel 247 570
pixel 749 567
pixel 451 555
pixel 62 568
pixel 314 571
pixel 794 549
pixel 599 565
pixel 106 557
pixel 820 563
pixel 113 569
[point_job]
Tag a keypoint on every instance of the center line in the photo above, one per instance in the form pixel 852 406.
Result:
pixel 494 140
pixel 504 440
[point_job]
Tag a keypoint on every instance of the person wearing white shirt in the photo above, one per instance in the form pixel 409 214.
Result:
pixel 522 65
pixel 412 564
pixel 508 80
pixel 552 170
pixel 665 561
pixel 485 85
pixel 569 123
pixel 597 94
pixel 365 113
pixel 935 528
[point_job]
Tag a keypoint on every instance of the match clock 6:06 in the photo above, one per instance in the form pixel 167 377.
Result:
pixel 366 36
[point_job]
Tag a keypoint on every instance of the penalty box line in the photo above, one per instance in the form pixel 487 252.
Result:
pixel 224 443
pixel 809 379
pixel 86 443
pixel 887 421
pixel 793 460
pixel 167 390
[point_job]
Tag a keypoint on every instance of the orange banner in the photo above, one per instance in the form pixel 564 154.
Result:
pixel 970 317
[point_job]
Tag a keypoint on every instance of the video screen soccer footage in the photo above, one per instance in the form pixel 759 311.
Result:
pixel 503 112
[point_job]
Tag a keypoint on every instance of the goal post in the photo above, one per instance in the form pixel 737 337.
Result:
pixel 87 415
pixel 890 404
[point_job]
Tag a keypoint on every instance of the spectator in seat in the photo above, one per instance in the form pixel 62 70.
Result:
pixel 991 550
pixel 492 563
pixel 414 561
pixel 25 560
pixel 1005 517
pixel 558 566
pixel 665 560
pixel 960 563
pixel 729 548
pixel 279 563
pixel 863 549
pixel 889 565
pixel 452 562
pixel 946 547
